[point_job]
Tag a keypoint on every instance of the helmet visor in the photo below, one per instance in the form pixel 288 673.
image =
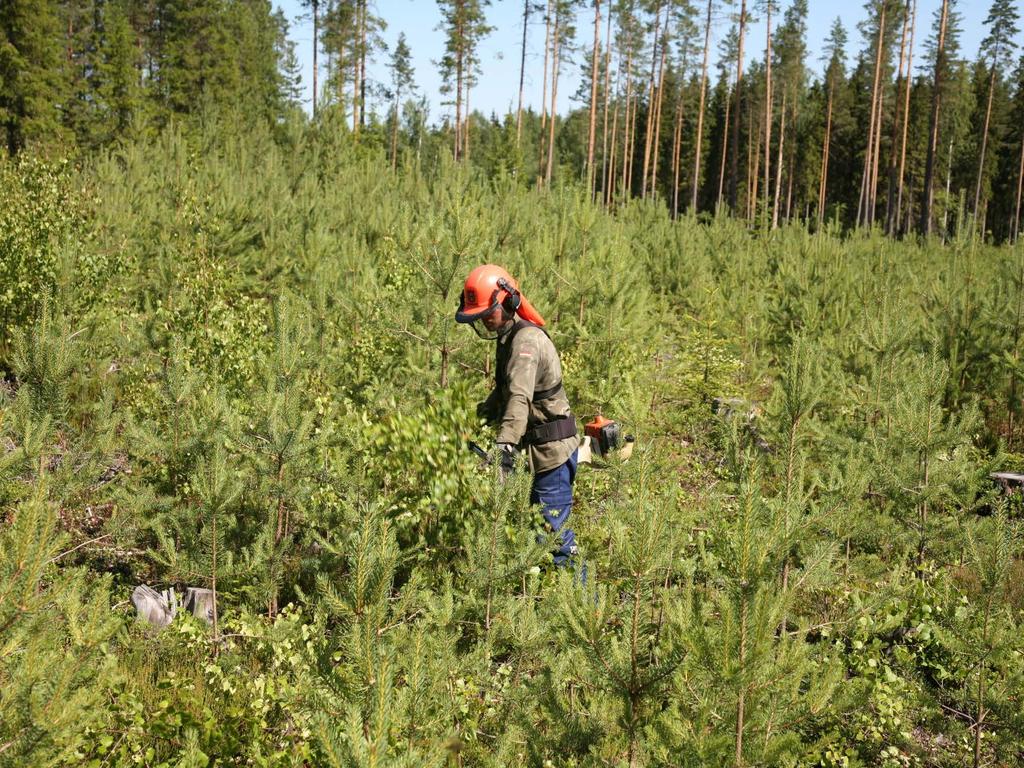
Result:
pixel 488 322
pixel 473 313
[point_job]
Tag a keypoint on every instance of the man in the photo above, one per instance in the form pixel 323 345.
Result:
pixel 528 403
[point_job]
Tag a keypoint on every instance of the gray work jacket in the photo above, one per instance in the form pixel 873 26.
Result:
pixel 526 364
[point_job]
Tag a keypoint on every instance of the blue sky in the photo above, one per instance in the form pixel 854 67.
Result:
pixel 499 54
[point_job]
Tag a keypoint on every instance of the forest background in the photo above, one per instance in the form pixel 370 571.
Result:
pixel 229 360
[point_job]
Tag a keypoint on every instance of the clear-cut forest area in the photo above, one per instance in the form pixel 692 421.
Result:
pixel 230 367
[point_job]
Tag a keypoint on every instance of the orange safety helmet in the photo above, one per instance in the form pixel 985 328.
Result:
pixel 488 287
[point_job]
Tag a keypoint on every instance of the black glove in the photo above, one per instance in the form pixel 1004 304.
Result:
pixel 506 453
pixel 485 410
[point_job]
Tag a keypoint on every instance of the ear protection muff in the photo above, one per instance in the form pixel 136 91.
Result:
pixel 512 299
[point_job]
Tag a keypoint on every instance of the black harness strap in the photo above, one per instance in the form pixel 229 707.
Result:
pixel 544 394
pixel 558 429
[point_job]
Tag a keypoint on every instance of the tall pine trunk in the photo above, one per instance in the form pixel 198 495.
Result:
pixel 778 163
pixel 1020 187
pixel 823 181
pixel 607 97
pixel 610 187
pixel 767 110
pixel 864 202
pixel 753 166
pixel 657 111
pixel 949 183
pixel 594 74
pixel 677 139
pixel 890 202
pixel 340 82
pixel 394 131
pixel 984 141
pixel 906 115
pixel 789 182
pixel 459 74
pixel 735 164
pixel 928 191
pixel 631 154
pixel 875 161
pixel 544 96
pixel 555 66
pixel 626 145
pixel 466 121
pixel 356 72
pixel 700 110
pixel 649 127
pixel 363 49
pixel 316 45
pixel 725 154
pixel 522 73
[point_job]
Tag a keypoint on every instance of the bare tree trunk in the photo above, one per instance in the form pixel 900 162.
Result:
pixel 823 181
pixel 394 133
pixel 555 66
pixel 649 128
pixel 789 184
pixel 316 45
pixel 363 49
pixel 544 96
pixel 778 167
pixel 357 67
pixel 735 165
pixel 906 112
pixel 466 121
pixel 949 179
pixel 594 73
pixel 875 161
pixel 340 75
pixel 753 167
pixel 700 109
pixel 984 141
pixel 1020 187
pixel 928 192
pixel 355 70
pixel 864 202
pixel 677 138
pixel 459 74
pixel 522 73
pixel 631 154
pixel 626 144
pixel 725 153
pixel 890 212
pixel 873 196
pixel 607 97
pixel 767 110
pixel 610 186
pixel 910 204
pixel 657 111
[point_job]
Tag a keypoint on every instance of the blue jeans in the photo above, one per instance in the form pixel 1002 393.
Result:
pixel 552 489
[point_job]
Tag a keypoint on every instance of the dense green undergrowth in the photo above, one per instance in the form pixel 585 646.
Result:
pixel 231 362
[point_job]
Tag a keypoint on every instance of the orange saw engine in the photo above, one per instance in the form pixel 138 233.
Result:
pixel 606 436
